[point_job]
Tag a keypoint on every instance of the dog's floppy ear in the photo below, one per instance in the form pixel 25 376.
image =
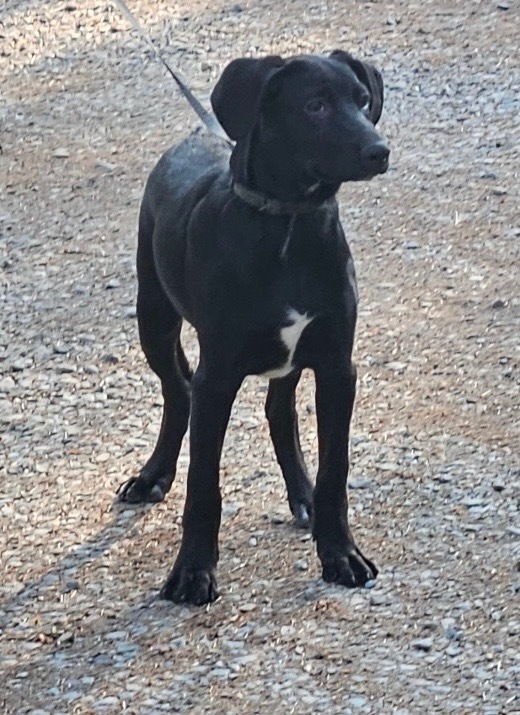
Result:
pixel 369 76
pixel 237 95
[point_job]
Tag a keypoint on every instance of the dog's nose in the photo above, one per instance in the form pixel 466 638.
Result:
pixel 376 156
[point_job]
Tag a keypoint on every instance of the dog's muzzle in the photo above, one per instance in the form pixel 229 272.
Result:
pixel 375 158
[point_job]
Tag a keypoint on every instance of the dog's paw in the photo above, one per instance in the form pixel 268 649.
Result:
pixel 192 586
pixel 139 491
pixel 348 568
pixel 301 501
pixel 302 512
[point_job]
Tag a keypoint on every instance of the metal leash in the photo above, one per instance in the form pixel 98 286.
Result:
pixel 208 119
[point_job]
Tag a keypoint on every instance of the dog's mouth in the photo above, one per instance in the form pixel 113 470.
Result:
pixel 372 174
pixel 358 173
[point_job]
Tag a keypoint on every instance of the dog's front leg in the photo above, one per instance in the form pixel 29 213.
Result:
pixel 341 559
pixel 192 579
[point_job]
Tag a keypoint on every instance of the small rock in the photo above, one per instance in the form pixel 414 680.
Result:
pixel 7 384
pixel 116 635
pixel 126 648
pixel 396 365
pixel 246 607
pixel 503 6
pixel 61 153
pixel 231 509
pixel 113 283
pixel 72 695
pixel 423 644
pixel 70 586
pixel 106 702
pixel 301 565
pixel 472 501
pixel 378 599
pixel 65 367
pixel 357 600
pixel 388 467
pixel 452 633
pixel 105 165
pixel 358 701
pixel 66 638
pixel 102 659
pixel 60 348
pixel 359 483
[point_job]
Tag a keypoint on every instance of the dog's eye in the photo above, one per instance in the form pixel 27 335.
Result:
pixel 315 106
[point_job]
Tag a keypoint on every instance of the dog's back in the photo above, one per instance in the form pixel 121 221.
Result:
pixel 193 163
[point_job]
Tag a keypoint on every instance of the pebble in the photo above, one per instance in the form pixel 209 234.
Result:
pixel 395 365
pixel 6 384
pixel 107 702
pixel 378 599
pixel 19 365
pixel 65 368
pixel 358 701
pixel 423 644
pixel 66 638
pixel 359 483
pixel 60 348
pixel 116 635
pixel 246 607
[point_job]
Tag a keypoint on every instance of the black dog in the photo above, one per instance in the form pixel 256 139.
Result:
pixel 249 249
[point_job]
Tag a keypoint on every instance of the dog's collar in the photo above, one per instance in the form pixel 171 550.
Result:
pixel 260 202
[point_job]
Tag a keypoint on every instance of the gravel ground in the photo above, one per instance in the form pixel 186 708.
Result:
pixel 435 485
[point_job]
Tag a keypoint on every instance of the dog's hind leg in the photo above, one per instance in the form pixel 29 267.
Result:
pixel 280 409
pixel 159 332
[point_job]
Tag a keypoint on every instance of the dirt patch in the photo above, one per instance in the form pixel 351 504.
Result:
pixel 84 115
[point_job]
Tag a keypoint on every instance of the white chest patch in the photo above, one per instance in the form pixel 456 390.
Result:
pixel 290 335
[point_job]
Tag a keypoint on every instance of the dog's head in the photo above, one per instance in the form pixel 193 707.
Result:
pixel 322 110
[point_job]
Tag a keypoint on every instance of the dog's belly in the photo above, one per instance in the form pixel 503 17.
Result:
pixel 289 336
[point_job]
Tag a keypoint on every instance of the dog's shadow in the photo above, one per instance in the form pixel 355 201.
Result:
pixel 122 522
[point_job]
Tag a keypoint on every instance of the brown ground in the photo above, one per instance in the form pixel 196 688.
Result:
pixel 84 115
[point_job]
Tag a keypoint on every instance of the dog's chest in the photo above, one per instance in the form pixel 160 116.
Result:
pixel 289 335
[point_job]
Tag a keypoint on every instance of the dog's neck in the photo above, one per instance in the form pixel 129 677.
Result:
pixel 271 172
